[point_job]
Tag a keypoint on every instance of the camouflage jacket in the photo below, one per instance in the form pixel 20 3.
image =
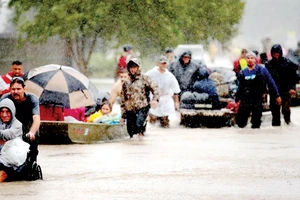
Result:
pixel 135 93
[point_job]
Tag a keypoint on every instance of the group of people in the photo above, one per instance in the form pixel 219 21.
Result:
pixel 19 116
pixel 278 77
pixel 153 96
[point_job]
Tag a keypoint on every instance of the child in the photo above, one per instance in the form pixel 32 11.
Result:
pixel 105 109
pixel 107 116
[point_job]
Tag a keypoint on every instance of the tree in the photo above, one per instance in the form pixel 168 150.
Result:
pixel 149 24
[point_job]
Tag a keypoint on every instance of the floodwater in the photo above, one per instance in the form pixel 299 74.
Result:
pixel 175 163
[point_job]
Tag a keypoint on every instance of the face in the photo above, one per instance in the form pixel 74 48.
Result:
pixel 123 76
pixel 186 59
pixel 275 55
pixel 17 92
pixel 169 55
pixel 105 109
pixel 251 60
pixel 130 51
pixel 162 66
pixel 5 115
pixel 17 70
pixel 133 70
pixel 244 52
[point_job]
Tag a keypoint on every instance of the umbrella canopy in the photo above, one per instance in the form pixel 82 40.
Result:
pixel 60 85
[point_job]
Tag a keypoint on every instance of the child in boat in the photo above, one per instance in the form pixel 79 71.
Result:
pixel 105 109
pixel 105 115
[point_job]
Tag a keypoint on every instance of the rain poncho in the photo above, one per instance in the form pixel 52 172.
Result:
pixel 208 86
pixel 186 75
pixel 168 86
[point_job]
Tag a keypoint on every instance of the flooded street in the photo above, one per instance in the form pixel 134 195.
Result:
pixel 176 163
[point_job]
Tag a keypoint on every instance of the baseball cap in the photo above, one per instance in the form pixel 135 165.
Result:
pixel 163 59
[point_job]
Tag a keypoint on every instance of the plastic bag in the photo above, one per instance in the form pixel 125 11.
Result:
pixel 14 152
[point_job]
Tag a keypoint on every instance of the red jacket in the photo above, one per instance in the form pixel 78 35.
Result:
pixel 7 79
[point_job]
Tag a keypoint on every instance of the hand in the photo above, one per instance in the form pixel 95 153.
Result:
pixel 122 121
pixel 292 92
pixel 30 135
pixel 176 105
pixel 278 101
pixel 153 104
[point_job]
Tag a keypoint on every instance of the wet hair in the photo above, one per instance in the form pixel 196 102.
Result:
pixel 168 50
pixel 127 47
pixel 106 103
pixel 244 51
pixel 132 64
pixel 256 52
pixel 16 63
pixel 17 79
pixel 124 70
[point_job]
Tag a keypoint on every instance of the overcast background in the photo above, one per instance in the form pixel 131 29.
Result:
pixel 277 19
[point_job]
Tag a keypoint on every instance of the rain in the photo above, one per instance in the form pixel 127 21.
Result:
pixel 177 162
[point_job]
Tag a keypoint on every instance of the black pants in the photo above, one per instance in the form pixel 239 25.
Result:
pixel 285 109
pixel 244 112
pixel 136 121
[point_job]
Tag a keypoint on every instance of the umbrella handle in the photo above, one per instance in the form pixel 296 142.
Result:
pixel 84 94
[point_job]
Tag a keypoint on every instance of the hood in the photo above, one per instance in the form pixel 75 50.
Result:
pixel 276 48
pixel 203 72
pixel 137 62
pixel 186 53
pixel 7 103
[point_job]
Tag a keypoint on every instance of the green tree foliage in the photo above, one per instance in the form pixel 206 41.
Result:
pixel 148 24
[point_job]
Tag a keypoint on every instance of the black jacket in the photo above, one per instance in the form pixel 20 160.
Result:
pixel 283 71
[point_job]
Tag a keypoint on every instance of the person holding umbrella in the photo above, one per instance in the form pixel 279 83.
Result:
pixel 27 112
pixel 135 98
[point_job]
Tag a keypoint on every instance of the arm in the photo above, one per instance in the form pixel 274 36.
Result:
pixel 293 76
pixel 154 90
pixel 271 83
pixel 35 117
pixel 113 95
pixel 11 133
pixel 34 127
pixel 176 101
pixel 122 105
pixel 176 90
pixel 239 87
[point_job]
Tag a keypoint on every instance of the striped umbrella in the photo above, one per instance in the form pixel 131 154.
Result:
pixel 60 85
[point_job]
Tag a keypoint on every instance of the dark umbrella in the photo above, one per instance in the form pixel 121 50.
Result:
pixel 60 85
